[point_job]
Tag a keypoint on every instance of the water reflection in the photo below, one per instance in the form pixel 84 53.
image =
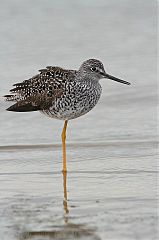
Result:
pixel 69 231
pixel 65 205
pixel 66 231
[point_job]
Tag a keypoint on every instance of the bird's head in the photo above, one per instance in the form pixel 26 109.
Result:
pixel 95 69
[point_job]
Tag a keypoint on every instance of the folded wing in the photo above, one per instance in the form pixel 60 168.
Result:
pixel 39 92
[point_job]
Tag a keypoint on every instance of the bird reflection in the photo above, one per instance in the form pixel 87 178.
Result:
pixel 68 230
pixel 65 205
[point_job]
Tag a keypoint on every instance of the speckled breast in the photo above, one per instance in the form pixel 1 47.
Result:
pixel 77 99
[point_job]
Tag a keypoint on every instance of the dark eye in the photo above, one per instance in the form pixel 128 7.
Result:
pixel 94 69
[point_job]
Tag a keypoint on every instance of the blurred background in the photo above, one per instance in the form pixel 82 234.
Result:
pixel 122 34
pixel 112 150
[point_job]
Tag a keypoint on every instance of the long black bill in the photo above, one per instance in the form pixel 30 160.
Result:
pixel 116 79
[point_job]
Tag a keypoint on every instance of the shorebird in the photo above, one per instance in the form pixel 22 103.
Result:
pixel 61 93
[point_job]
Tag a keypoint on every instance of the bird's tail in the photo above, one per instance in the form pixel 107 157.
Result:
pixel 17 93
pixel 21 103
pixel 11 97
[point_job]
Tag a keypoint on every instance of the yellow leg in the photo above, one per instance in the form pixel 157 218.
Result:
pixel 63 136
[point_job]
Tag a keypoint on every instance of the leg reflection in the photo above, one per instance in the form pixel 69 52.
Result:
pixel 65 193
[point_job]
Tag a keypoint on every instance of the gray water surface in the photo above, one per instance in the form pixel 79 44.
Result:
pixel 111 184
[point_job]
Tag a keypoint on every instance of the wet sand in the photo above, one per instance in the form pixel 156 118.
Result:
pixel 109 193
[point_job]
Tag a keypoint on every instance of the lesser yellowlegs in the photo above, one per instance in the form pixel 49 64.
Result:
pixel 61 93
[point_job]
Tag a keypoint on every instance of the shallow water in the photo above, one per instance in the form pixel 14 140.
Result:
pixel 110 191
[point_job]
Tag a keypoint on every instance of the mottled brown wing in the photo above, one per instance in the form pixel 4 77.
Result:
pixel 39 92
pixel 35 102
